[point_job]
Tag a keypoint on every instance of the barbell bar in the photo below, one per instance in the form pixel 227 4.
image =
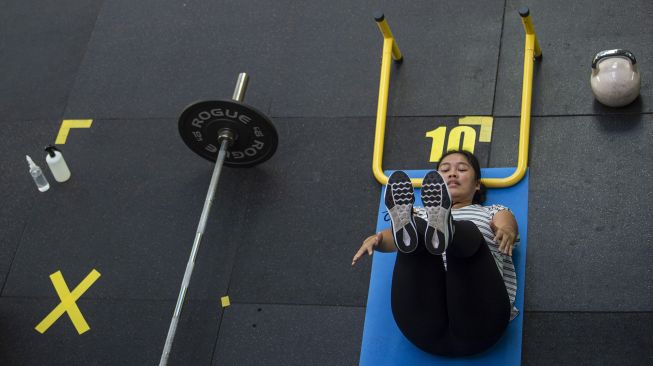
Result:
pixel 244 137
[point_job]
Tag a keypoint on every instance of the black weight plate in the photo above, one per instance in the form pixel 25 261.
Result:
pixel 256 138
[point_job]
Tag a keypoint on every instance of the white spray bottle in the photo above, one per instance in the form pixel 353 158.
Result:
pixel 57 164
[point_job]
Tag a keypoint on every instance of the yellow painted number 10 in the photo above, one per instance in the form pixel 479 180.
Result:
pixel 465 133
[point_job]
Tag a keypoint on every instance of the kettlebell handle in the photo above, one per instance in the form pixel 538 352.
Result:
pixel 613 53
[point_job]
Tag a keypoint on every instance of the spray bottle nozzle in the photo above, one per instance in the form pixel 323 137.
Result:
pixel 29 161
pixel 51 149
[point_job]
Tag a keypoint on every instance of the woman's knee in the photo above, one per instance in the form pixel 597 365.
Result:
pixel 467 239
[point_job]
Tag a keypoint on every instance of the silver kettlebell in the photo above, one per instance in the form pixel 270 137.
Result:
pixel 615 78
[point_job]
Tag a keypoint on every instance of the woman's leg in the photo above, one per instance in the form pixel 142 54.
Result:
pixel 477 300
pixel 458 312
pixel 419 303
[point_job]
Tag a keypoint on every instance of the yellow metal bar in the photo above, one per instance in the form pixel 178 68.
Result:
pixel 390 49
pixel 387 34
pixel 381 111
pixel 531 50
pixel 529 29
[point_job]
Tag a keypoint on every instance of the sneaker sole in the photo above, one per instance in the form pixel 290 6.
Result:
pixel 437 202
pixel 399 200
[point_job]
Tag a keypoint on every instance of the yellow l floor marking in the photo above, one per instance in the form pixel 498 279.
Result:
pixel 67 124
pixel 68 304
pixel 485 123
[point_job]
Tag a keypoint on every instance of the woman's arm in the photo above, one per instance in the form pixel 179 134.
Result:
pixel 387 245
pixel 505 230
pixel 381 242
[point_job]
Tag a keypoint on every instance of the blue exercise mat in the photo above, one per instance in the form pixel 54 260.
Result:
pixel 383 342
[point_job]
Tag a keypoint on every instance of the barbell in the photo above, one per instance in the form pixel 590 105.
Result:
pixel 230 133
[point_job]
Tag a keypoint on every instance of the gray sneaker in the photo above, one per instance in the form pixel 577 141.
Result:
pixel 399 199
pixel 437 202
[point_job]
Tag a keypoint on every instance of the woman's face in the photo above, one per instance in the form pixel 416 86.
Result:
pixel 460 178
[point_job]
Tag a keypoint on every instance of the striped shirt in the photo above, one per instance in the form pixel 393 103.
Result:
pixel 482 216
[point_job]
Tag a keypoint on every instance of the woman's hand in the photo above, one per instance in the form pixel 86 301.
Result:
pixel 368 246
pixel 505 230
pixel 505 236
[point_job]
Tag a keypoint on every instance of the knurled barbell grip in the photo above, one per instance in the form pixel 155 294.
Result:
pixel 190 266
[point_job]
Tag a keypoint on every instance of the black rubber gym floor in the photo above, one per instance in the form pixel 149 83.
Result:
pixel 281 235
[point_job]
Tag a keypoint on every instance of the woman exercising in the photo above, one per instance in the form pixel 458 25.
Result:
pixel 454 283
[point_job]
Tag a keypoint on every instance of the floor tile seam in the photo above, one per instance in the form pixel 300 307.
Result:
pixel 579 115
pixel 172 300
pixel 299 304
pixel 13 257
pixel 587 312
pixel 81 63
pixel 149 118
pixel 243 213
pixel 290 117
pixel 374 116
pixel 496 75
pixel 457 115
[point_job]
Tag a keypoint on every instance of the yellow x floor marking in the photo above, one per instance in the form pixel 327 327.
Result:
pixel 67 304
pixel 67 124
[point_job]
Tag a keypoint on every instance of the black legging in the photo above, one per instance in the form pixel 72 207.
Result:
pixel 461 311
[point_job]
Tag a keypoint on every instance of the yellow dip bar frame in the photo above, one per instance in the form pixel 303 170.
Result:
pixel 391 50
